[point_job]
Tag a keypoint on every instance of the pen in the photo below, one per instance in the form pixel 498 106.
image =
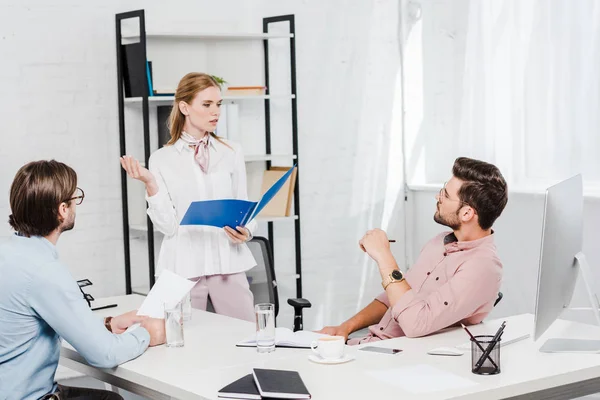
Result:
pixel 103 307
pixel 478 344
pixel 490 347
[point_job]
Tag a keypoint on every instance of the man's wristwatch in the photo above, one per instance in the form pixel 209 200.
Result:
pixel 395 276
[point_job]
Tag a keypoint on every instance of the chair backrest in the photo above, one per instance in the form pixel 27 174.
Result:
pixel 261 278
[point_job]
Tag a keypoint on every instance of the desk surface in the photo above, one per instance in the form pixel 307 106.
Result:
pixel 210 360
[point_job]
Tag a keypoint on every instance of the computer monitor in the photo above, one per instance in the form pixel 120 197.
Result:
pixel 561 259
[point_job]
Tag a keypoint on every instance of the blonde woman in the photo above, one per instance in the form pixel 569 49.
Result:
pixel 198 165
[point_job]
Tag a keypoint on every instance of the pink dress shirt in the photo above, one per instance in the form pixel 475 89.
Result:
pixel 451 282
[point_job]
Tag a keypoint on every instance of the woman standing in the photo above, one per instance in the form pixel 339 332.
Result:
pixel 198 165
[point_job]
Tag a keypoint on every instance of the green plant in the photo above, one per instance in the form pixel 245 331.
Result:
pixel 219 80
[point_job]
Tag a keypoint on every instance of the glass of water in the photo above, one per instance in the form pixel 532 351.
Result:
pixel 174 324
pixel 265 327
pixel 187 307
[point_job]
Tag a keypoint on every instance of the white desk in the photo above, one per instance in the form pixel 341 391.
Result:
pixel 210 360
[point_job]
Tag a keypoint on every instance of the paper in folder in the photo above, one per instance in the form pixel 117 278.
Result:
pixel 230 212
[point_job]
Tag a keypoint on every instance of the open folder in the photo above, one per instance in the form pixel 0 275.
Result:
pixel 230 212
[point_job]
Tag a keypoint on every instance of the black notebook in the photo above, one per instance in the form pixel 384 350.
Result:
pixel 243 388
pixel 280 384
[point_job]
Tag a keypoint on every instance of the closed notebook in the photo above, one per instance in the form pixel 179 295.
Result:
pixel 243 388
pixel 284 337
pixel 280 384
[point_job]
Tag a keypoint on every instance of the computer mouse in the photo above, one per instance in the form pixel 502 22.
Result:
pixel 446 351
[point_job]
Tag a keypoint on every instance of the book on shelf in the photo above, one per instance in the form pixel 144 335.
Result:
pixel 245 90
pixel 281 204
pixel 137 71
pixel 134 69
pixel 149 77
pixel 230 212
pixel 163 92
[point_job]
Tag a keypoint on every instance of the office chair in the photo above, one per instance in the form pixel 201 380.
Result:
pixel 263 282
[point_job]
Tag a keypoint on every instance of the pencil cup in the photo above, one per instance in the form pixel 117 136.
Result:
pixel 481 364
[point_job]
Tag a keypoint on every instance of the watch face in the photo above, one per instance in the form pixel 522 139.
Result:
pixel 396 274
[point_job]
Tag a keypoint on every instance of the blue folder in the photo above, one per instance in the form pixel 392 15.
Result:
pixel 230 212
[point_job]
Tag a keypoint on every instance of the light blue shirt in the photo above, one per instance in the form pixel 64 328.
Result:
pixel 40 303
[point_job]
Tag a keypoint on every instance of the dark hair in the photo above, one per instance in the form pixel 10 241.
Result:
pixel 483 188
pixel 35 194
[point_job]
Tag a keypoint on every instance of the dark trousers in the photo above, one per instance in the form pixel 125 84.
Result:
pixel 77 393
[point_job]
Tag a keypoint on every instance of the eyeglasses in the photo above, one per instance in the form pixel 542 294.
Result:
pixel 80 196
pixel 443 195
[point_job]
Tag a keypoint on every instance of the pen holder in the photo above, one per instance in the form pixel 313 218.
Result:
pixel 482 364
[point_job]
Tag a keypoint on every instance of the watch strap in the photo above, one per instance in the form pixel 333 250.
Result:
pixel 389 280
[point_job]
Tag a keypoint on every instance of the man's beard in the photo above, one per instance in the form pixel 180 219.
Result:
pixel 68 224
pixel 452 223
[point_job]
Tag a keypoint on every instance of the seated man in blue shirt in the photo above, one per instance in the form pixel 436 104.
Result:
pixel 40 302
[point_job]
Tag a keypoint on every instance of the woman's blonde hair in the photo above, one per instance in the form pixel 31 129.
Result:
pixel 189 86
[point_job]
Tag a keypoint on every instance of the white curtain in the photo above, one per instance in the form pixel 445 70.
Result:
pixel 513 82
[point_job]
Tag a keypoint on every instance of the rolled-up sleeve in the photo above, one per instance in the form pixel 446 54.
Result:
pixel 160 206
pixel 56 298
pixel 474 285
pixel 382 298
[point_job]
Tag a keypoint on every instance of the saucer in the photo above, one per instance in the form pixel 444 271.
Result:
pixel 320 360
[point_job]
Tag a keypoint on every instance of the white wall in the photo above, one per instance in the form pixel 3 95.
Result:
pixel 58 80
pixel 436 34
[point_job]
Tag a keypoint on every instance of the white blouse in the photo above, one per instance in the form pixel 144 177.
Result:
pixel 190 250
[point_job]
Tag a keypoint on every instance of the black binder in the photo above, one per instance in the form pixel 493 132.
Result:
pixel 280 384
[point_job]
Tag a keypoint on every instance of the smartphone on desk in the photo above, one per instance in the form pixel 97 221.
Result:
pixel 383 350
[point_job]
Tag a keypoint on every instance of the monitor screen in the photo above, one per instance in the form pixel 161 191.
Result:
pixel 562 233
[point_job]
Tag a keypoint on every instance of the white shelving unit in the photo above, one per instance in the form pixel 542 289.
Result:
pixel 179 52
pixel 142 229
pixel 262 157
pixel 269 157
pixel 210 35
pixel 168 100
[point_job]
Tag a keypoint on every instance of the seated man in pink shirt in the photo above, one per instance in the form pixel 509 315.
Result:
pixel 457 275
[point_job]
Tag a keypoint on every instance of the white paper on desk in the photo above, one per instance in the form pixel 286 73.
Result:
pixel 169 288
pixel 421 378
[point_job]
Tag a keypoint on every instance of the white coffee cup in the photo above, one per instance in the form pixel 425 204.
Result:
pixel 329 347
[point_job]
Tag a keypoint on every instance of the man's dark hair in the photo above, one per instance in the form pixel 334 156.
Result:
pixel 483 188
pixel 35 195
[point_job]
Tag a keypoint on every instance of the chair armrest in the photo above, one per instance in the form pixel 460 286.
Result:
pixel 299 303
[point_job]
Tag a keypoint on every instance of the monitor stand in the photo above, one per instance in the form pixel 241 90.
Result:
pixel 579 345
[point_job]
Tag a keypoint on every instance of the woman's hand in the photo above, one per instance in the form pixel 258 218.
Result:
pixel 136 171
pixel 241 235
